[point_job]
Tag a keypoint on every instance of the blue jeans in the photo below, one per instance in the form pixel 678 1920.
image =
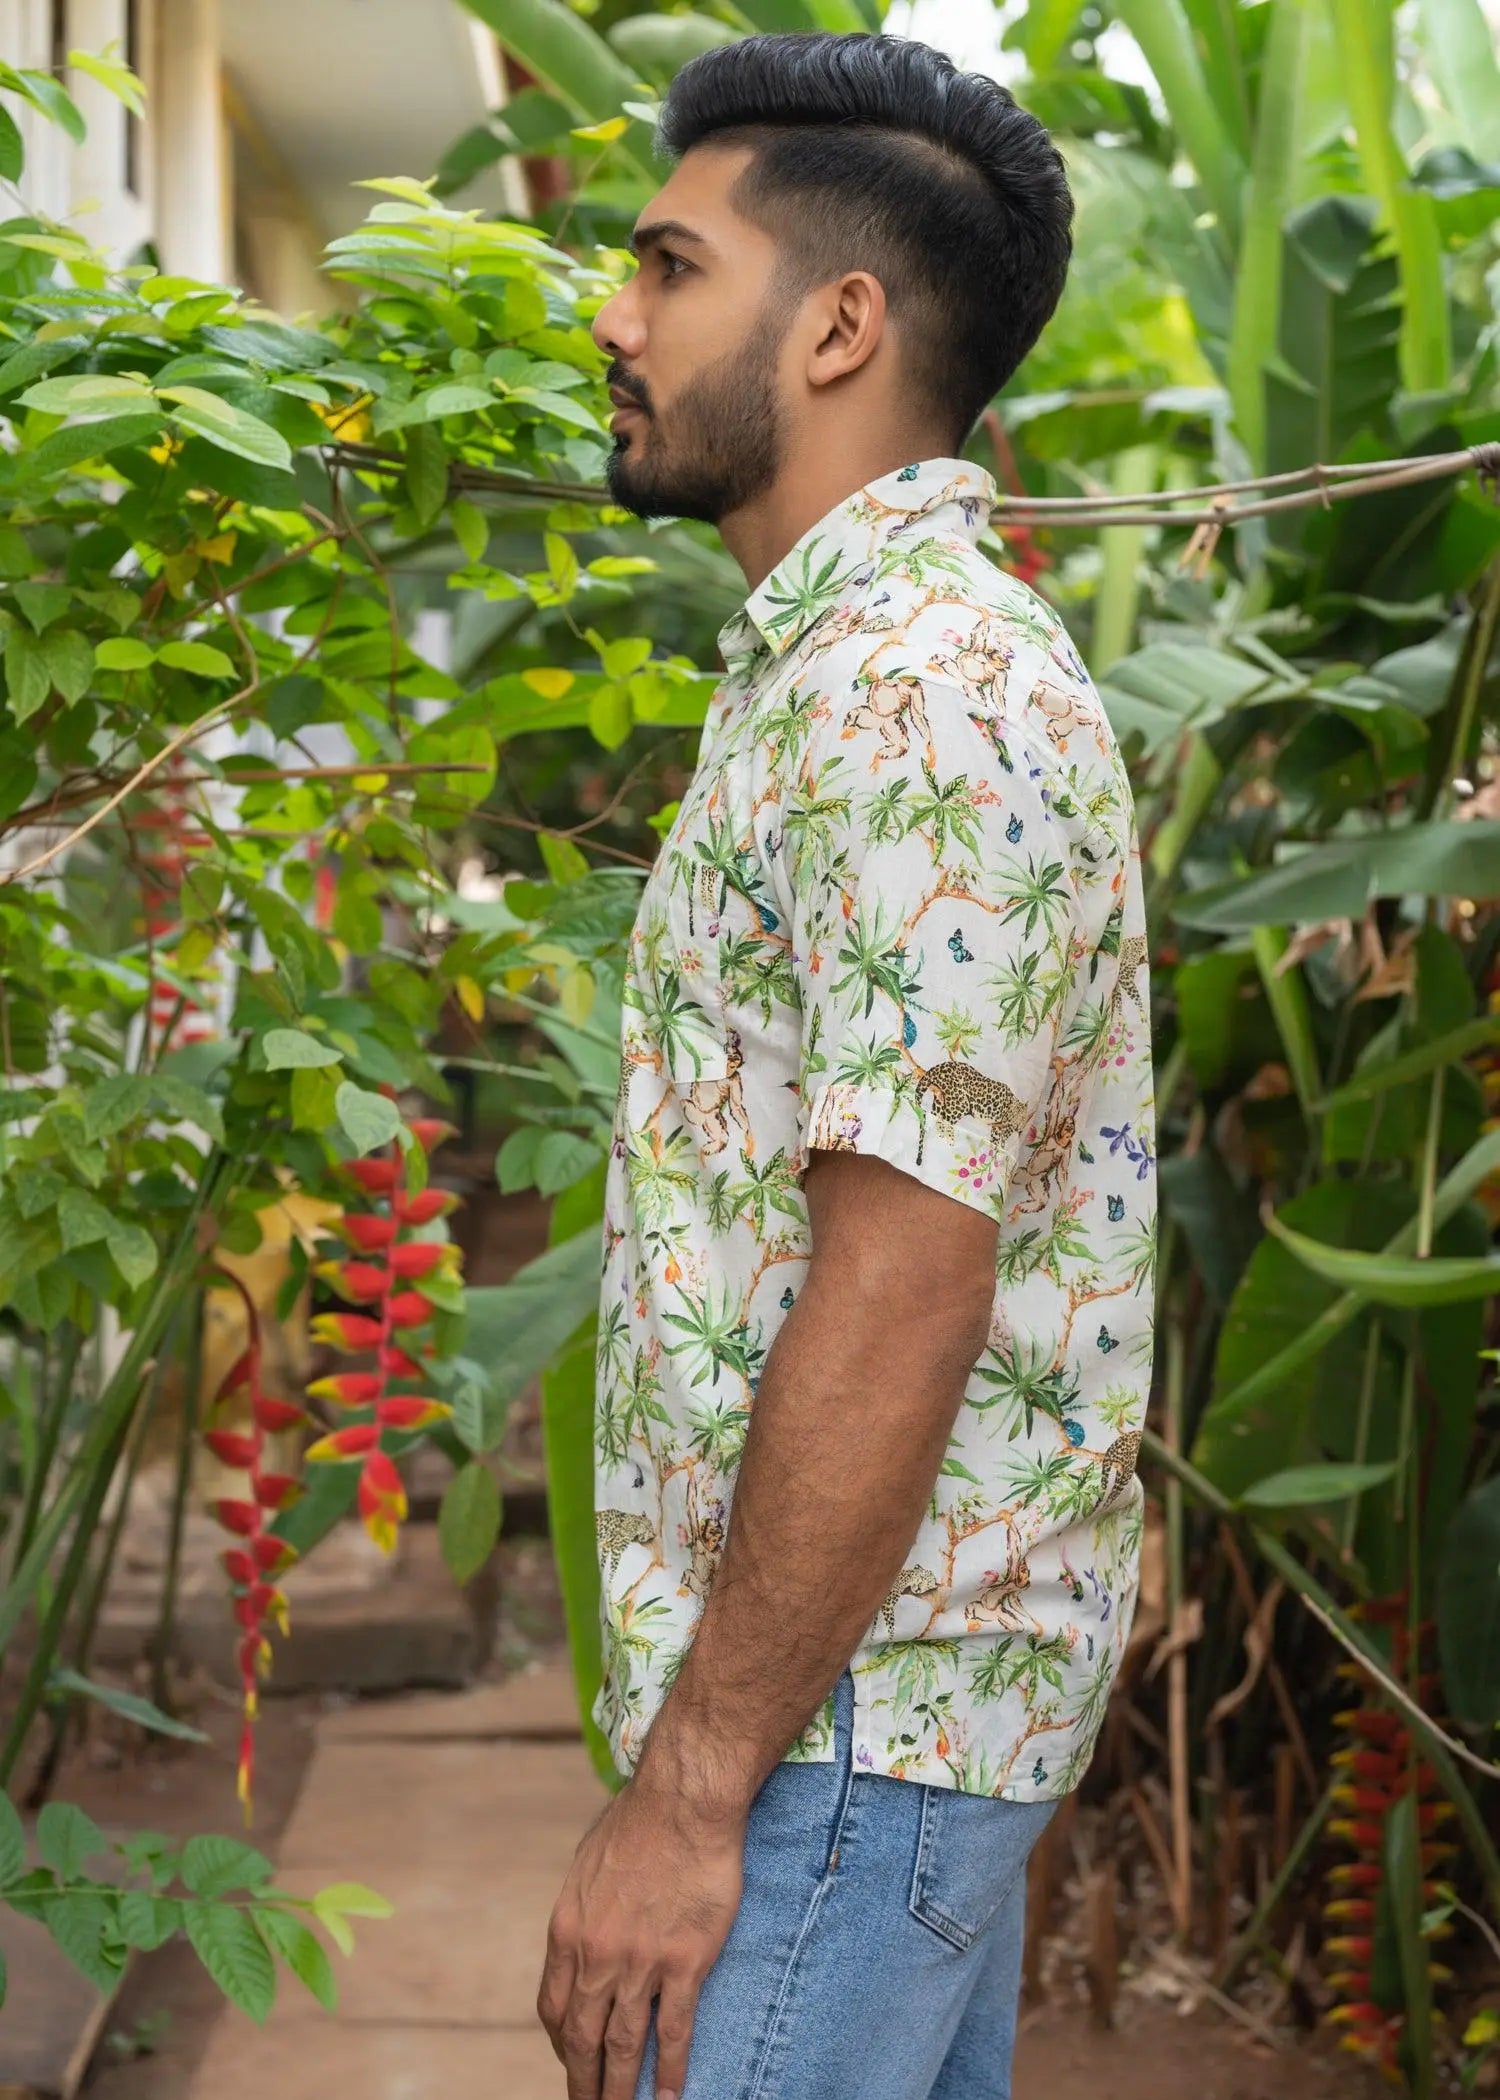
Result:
pixel 876 1954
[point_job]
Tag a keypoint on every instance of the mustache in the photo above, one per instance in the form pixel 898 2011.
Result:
pixel 627 383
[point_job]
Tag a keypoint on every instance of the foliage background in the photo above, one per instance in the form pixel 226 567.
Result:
pixel 1286 254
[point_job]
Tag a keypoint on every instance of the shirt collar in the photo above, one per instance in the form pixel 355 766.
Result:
pixel 948 495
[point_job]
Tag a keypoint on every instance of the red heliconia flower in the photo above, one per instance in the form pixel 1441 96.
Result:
pixel 237 1374
pixel 273 1415
pixel 397 1364
pixel 277 1490
pixel 243 1518
pixel 382 1499
pixel 367 1232
pixel 360 1281
pixel 377 1177
pixel 232 1448
pixel 406 1411
pixel 244 1778
pixel 348 1388
pixel 430 1131
pixel 424 1206
pixel 414 1258
pixel 346 1330
pixel 271 1554
pixel 238 1565
pixel 408 1309
pixel 353 1442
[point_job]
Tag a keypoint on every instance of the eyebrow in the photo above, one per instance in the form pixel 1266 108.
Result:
pixel 659 230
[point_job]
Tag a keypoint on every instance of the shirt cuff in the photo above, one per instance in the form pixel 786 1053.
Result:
pixel 972 1165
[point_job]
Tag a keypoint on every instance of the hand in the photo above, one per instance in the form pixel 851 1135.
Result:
pixel 647 1906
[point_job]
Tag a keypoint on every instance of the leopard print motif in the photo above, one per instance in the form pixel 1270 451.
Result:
pixel 959 1090
pixel 911 1582
pixel 1132 958
pixel 618 1528
pixel 1119 1463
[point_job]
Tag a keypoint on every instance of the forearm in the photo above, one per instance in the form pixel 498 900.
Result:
pixel 851 1418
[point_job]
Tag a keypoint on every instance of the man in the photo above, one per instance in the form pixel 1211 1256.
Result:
pixel 875 1338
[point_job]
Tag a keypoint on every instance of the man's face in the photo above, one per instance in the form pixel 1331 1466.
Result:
pixel 693 340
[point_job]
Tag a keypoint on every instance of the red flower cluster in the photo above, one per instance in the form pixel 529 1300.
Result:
pixel 253 1564
pixel 1380 1769
pixel 382 1275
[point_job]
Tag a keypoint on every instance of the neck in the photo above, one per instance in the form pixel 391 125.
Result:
pixel 826 471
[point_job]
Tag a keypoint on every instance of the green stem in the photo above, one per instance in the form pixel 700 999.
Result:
pixel 161 1645
pixel 1362 1425
pixel 116 1402
pixel 1436 799
pixel 56 1395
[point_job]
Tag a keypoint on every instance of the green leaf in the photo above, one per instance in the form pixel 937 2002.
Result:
pixel 213 1865
pixel 448 400
pixel 352 1899
pixel 81 1219
pixel 113 1103
pixel 1339 881
pixel 117 79
pixel 368 1120
pixel 27 679
pixel 291 1049
pixel 1313 1484
pixel 148 1921
pixel 426 472
pixel 227 1943
pixel 124 653
pixel 12 1842
pixel 87 394
pixel 43 603
pixel 302 1951
pixel 562 1158
pixel 130 1705
pixel 66 1837
pixel 1393 1279
pixel 1378 1077
pixel 470 528
pixel 179 1098
pixel 133 1252
pixel 469 1520
pixel 1468 1609
pixel 53 99
pixel 197 657
pixel 69 658
pixel 572 62
pixel 231 429
pixel 12 161
pixel 514 1328
pixel 79 1923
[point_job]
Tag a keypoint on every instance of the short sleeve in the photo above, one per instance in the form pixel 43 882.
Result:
pixel 936 934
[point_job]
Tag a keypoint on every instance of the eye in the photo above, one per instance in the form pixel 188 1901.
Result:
pixel 673 265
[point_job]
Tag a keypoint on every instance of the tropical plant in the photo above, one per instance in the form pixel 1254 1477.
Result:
pixel 227 921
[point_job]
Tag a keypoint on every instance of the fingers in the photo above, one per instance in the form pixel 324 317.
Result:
pixel 625 2039
pixel 675 2012
pixel 556 1987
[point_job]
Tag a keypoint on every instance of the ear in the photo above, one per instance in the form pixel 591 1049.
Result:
pixel 850 322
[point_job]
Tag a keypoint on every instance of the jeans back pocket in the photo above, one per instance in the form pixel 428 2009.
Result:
pixel 971 1850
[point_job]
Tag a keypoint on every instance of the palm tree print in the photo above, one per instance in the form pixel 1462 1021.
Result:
pixel 891 915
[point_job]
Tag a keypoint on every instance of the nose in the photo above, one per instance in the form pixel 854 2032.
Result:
pixel 617 327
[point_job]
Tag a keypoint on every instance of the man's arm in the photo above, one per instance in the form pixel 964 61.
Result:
pixel 851 1418
pixel 852 1415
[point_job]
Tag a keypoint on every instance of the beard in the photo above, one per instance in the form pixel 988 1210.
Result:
pixel 722 447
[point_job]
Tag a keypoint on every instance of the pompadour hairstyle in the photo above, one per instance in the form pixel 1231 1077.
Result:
pixel 876 153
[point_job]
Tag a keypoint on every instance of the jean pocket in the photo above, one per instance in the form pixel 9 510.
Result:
pixel 971 1851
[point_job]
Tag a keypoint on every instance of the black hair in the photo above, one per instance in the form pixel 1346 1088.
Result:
pixel 876 153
